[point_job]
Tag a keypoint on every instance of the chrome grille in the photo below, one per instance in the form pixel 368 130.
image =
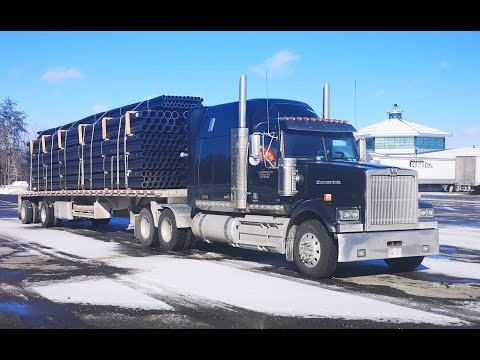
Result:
pixel 391 201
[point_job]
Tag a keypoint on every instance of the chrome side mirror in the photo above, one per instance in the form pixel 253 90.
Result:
pixel 362 149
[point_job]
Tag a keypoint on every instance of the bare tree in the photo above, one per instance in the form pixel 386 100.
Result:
pixel 12 142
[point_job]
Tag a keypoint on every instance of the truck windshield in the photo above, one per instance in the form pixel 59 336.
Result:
pixel 320 146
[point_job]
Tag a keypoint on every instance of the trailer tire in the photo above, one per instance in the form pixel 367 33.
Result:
pixel 147 233
pixel 170 238
pixel 98 222
pixel 314 251
pixel 35 213
pixel 26 212
pixel 404 264
pixel 46 214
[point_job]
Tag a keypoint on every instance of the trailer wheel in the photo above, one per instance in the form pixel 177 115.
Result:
pixel 147 233
pixel 314 250
pixel 98 222
pixel 26 212
pixel 169 236
pixel 404 264
pixel 36 213
pixel 46 214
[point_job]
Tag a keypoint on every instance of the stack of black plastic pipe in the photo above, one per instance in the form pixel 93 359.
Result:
pixel 99 152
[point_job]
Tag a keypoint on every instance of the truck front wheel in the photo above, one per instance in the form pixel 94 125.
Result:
pixel 404 264
pixel 147 234
pixel 46 215
pixel 169 236
pixel 314 250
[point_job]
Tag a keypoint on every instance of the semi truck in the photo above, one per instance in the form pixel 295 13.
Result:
pixel 262 174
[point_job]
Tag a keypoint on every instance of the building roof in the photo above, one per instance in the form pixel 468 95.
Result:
pixel 399 127
pixel 452 153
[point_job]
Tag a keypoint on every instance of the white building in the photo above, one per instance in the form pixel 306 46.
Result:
pixel 398 136
pixel 403 143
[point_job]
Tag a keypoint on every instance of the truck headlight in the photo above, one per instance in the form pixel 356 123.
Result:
pixel 348 214
pixel 425 212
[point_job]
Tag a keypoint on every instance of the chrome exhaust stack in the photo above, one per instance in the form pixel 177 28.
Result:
pixel 240 151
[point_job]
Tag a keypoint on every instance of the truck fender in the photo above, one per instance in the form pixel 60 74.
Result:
pixel 310 209
pixel 182 213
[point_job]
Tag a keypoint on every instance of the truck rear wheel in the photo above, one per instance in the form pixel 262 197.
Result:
pixel 46 214
pixel 148 234
pixel 26 212
pixel 189 240
pixel 169 236
pixel 404 264
pixel 314 250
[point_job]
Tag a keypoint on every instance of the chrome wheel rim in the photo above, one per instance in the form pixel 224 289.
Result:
pixel 309 250
pixel 166 230
pixel 145 228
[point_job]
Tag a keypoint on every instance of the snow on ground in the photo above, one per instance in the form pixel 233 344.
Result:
pixel 458 269
pixel 264 293
pixel 460 236
pixel 99 292
pixel 59 240
pixel 223 283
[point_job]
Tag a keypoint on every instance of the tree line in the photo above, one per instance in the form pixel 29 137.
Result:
pixel 13 138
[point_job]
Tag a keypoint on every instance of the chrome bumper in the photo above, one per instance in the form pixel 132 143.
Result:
pixel 386 244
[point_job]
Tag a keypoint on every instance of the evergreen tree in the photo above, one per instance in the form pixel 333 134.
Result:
pixel 12 148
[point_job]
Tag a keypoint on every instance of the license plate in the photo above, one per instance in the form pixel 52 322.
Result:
pixel 395 252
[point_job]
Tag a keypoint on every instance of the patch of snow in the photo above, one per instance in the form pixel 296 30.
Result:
pixel 460 236
pixel 266 293
pixel 99 292
pixel 59 240
pixel 459 269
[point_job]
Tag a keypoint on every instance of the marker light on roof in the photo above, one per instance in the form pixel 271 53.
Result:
pixel 307 119
pixel 292 118
pixel 299 118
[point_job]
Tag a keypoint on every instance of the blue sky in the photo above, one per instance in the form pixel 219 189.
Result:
pixel 434 77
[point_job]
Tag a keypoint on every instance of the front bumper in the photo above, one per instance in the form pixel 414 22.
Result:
pixel 386 244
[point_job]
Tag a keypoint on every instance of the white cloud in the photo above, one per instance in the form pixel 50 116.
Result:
pixel 280 63
pixel 60 74
pixel 99 108
pixel 443 64
pixel 472 131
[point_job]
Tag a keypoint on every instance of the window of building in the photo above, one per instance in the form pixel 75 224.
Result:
pixel 433 143
pixel 370 143
pixel 394 143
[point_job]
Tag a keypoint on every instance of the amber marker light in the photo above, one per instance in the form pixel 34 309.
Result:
pixel 327 197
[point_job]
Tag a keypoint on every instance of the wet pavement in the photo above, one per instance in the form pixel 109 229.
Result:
pixel 23 264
